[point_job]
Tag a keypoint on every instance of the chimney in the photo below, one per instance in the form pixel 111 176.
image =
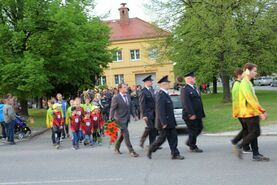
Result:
pixel 124 14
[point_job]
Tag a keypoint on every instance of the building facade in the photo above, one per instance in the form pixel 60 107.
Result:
pixel 134 42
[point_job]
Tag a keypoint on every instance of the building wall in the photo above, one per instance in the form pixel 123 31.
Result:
pixel 130 68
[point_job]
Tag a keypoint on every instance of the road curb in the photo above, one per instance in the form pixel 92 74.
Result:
pixel 232 135
pixel 38 133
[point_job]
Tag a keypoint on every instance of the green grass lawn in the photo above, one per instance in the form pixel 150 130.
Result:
pixel 218 115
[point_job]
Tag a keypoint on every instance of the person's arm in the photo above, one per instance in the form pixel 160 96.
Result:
pixel 250 96
pixel 114 106
pixel 161 110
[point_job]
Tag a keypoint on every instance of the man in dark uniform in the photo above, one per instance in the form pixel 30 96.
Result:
pixel 147 109
pixel 193 111
pixel 165 122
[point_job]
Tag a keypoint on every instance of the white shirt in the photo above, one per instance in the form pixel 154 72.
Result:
pixel 166 91
pixel 125 98
pixel 194 88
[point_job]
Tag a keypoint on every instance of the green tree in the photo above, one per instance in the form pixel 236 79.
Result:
pixel 50 46
pixel 215 37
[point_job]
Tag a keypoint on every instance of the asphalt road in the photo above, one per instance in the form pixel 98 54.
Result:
pixel 37 162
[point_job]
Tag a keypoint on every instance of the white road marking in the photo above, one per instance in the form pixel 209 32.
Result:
pixel 62 181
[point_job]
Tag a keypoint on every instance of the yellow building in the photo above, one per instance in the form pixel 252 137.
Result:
pixel 136 52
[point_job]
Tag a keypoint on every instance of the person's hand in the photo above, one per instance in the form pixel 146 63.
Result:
pixel 263 116
pixel 145 119
pixel 193 117
pixel 164 126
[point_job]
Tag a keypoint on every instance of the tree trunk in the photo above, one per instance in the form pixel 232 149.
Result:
pixel 214 85
pixel 226 88
pixel 24 107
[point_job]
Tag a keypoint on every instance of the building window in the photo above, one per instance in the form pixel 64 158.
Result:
pixel 153 53
pixel 118 56
pixel 135 54
pixel 103 80
pixel 118 79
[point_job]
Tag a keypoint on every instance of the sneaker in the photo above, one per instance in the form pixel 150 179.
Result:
pixel 58 146
pixel 247 151
pixel 74 148
pixel 61 139
pixel 238 151
pixel 260 157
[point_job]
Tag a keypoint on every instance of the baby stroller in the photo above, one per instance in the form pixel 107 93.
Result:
pixel 21 129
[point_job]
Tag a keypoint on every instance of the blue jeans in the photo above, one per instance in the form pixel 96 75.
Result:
pixel 89 139
pixel 75 140
pixel 11 131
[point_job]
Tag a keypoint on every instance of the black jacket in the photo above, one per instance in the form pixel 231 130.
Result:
pixel 147 104
pixel 192 103
pixel 164 111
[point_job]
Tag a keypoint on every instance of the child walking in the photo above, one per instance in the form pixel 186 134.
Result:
pixel 58 124
pixel 87 129
pixel 75 122
pixel 98 123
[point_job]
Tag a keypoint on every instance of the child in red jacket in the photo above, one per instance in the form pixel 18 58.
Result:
pixel 98 123
pixel 80 112
pixel 75 122
pixel 58 123
pixel 87 129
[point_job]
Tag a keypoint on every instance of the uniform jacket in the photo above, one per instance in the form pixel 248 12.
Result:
pixel 75 123
pixel 192 103
pixel 87 127
pixel 164 111
pixel 147 104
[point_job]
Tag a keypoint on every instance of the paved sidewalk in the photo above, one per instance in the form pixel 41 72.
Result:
pixel 269 130
pixel 35 132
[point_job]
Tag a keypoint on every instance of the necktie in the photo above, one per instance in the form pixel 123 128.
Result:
pixel 196 89
pixel 125 99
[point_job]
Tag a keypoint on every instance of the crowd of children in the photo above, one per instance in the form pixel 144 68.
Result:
pixel 85 123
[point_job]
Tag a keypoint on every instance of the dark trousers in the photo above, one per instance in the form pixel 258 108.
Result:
pixel 195 128
pixel 151 132
pixel 124 135
pixel 65 129
pixel 241 135
pixel 57 134
pixel 11 131
pixel 4 129
pixel 53 136
pixel 171 135
pixel 254 131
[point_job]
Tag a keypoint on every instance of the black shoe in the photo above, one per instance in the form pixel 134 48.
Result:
pixel 160 148
pixel 141 144
pixel 149 153
pixel 196 150
pixel 260 157
pixel 117 151
pixel 178 157
pixel 12 143
pixel 63 137
pixel 238 151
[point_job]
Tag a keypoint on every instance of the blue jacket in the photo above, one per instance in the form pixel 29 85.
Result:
pixel 1 113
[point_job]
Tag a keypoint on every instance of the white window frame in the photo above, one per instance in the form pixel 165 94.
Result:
pixel 117 56
pixel 136 51
pixel 120 78
pixel 102 80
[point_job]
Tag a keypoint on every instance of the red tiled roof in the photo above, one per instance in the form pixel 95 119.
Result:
pixel 136 29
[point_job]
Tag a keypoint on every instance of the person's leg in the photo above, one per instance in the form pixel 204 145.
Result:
pixel 144 136
pixel 244 133
pixel 253 128
pixel 119 141
pixel 192 132
pixel 152 135
pixel 4 134
pixel 199 126
pixel 126 136
pixel 159 141
pixel 173 141
pixel 11 131
pixel 53 136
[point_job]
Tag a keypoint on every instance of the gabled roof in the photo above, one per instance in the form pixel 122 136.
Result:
pixel 135 29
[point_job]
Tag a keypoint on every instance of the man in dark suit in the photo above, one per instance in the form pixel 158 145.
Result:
pixel 120 111
pixel 193 111
pixel 147 109
pixel 165 122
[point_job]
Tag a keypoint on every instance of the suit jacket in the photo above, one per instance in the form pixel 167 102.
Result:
pixel 147 106
pixel 192 103
pixel 120 110
pixel 164 111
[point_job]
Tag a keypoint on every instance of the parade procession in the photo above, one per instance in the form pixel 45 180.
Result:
pixel 150 92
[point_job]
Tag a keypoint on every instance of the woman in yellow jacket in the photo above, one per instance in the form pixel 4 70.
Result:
pixel 250 111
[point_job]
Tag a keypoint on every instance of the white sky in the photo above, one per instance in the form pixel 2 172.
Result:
pixel 136 8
